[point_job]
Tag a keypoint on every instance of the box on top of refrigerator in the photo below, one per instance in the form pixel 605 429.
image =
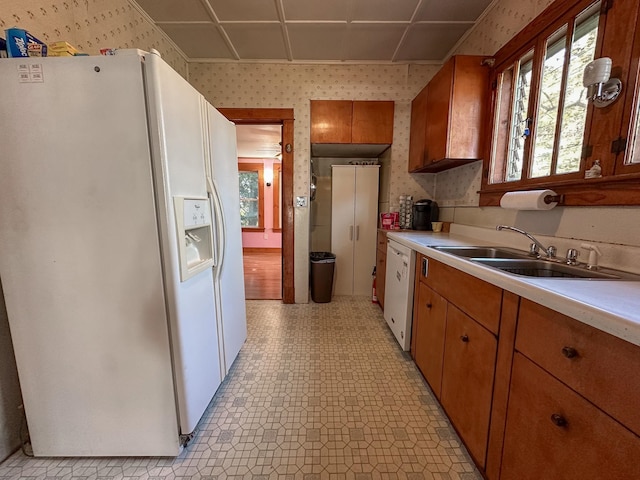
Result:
pixel 21 43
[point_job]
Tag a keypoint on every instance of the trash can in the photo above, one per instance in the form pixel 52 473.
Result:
pixel 322 265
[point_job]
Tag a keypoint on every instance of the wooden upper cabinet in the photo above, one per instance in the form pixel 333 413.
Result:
pixel 347 122
pixel 418 131
pixel 450 115
pixel 372 122
pixel 331 121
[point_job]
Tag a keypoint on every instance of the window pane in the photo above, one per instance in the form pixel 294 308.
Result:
pixel 634 155
pixel 547 116
pixel 519 124
pixel 574 114
pixel 249 199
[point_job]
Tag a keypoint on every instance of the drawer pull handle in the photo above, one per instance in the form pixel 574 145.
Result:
pixel 569 352
pixel 559 420
pixel 429 305
pixel 465 338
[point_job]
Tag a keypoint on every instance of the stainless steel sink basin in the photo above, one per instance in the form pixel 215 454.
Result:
pixel 547 269
pixel 483 252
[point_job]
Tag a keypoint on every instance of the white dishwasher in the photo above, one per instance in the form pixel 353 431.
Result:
pixel 398 294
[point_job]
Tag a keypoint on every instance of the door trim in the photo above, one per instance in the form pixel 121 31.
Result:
pixel 284 117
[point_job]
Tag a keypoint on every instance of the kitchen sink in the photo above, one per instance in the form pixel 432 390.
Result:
pixel 547 269
pixel 484 252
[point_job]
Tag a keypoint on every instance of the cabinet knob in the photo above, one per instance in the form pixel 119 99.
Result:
pixel 569 352
pixel 429 305
pixel 558 420
pixel 464 338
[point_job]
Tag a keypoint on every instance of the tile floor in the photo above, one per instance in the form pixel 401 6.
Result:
pixel 319 391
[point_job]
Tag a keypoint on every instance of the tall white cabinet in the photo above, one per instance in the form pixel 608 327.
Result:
pixel 354 221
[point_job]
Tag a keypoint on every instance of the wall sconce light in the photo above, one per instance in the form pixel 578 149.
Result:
pixel 601 89
pixel 268 177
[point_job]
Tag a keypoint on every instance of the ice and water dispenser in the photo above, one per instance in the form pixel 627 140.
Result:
pixel 195 235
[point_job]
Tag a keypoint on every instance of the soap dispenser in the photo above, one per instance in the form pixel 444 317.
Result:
pixel 594 253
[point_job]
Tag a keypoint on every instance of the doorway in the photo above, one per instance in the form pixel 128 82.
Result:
pixel 283 117
pixel 259 162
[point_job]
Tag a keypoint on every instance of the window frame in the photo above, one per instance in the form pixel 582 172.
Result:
pixel 619 183
pixel 259 168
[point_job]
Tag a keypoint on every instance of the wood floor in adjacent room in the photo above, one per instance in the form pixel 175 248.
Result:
pixel 263 275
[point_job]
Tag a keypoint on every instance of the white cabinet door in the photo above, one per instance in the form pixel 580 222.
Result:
pixel 343 184
pixel 365 220
pixel 354 213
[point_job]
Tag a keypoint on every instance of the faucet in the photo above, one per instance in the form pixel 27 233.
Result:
pixel 549 251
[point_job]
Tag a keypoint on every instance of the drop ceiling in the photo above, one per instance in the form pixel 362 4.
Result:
pixel 380 31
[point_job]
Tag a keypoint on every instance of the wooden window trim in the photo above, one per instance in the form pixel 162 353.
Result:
pixel 256 167
pixel 620 184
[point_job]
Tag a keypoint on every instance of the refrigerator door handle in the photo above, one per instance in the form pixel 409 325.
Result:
pixel 220 223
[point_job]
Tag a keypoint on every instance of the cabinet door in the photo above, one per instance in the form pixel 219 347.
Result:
pixel 431 322
pixel 372 122
pixel 417 134
pixel 467 380
pixel 343 184
pixel 331 121
pixel 366 223
pixel 438 111
pixel 554 433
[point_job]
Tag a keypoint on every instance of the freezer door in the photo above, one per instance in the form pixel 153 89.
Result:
pixel 228 273
pixel 79 258
pixel 178 138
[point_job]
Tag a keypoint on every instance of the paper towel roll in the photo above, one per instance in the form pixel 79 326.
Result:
pixel 531 200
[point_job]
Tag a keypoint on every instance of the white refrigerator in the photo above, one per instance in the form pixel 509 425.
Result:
pixel 112 249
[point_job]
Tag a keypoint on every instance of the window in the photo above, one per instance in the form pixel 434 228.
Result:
pixel 251 196
pixel 540 105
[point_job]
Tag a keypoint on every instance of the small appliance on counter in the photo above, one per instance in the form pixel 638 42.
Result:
pixel 424 212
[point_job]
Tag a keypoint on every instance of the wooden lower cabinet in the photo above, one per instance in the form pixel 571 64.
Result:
pixel 533 394
pixel 467 380
pixel 431 321
pixel 554 433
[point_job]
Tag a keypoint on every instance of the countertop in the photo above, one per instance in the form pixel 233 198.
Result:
pixel 612 306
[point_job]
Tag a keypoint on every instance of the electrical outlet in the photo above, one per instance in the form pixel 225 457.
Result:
pixel 265 236
pixel 301 201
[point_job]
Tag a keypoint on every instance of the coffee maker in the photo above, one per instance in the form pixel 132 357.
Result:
pixel 424 212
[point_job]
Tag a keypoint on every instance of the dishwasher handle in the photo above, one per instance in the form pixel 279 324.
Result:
pixel 425 267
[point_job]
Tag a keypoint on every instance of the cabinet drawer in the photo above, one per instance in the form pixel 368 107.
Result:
pixel 554 433
pixel 599 366
pixel 382 241
pixel 477 298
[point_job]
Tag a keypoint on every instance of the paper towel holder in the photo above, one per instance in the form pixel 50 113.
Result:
pixel 549 199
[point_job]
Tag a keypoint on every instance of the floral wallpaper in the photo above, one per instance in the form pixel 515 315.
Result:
pixel 90 25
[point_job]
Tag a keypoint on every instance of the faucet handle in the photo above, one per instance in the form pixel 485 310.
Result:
pixel 572 256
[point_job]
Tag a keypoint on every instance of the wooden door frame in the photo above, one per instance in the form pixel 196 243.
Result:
pixel 284 117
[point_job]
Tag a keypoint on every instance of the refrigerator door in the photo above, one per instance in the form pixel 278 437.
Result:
pixel 178 151
pixel 229 277
pixel 79 258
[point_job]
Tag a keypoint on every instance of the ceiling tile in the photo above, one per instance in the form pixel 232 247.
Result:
pixel 318 42
pixel 373 41
pixel 430 41
pixel 257 40
pixel 383 10
pixel 451 10
pixel 244 10
pixel 171 11
pixel 198 40
pixel 325 10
